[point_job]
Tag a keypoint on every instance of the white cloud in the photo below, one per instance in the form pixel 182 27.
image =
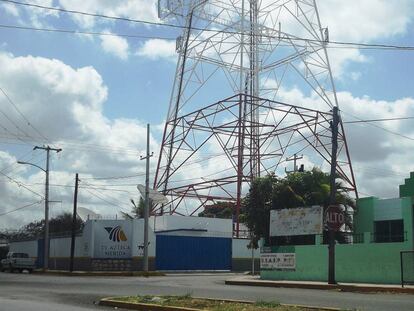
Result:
pixel 65 104
pixel 133 9
pixel 11 9
pixel 116 46
pixel 158 49
pixel 381 159
pixel 366 22
pixel 369 20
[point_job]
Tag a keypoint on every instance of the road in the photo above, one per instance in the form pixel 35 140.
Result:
pixel 21 292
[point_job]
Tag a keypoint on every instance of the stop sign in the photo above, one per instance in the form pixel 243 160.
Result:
pixel 334 217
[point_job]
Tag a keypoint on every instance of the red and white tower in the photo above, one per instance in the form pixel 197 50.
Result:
pixel 253 86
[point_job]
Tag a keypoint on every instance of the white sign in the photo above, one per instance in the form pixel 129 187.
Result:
pixel 112 239
pixel 296 221
pixel 281 261
pixel 154 195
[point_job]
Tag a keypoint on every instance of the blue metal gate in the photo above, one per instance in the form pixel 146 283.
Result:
pixel 192 253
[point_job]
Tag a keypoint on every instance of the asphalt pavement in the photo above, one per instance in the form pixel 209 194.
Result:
pixel 21 292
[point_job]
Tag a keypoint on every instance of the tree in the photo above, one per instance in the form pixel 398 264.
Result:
pixel 299 189
pixel 219 209
pixel 138 209
pixel 59 224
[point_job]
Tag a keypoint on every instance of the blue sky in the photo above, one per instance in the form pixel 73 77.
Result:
pixel 126 83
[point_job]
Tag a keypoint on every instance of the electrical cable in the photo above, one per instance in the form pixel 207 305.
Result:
pixel 132 36
pixel 380 127
pixel 378 120
pixel 102 199
pixel 20 184
pixel 21 114
pixel 81 32
pixel 125 19
pixel 20 208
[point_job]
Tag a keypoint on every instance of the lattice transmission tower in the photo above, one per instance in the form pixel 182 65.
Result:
pixel 253 86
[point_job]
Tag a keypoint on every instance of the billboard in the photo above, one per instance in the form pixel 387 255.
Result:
pixel 112 239
pixel 296 221
pixel 278 261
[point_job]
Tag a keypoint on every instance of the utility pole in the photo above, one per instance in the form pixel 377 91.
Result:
pixel 332 197
pixel 146 209
pixel 46 243
pixel 294 159
pixel 75 205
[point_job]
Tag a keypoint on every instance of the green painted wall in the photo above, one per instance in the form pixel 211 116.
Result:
pixel 364 263
pixel 407 190
pixel 408 217
pixel 364 215
pixel 311 264
pixel 359 263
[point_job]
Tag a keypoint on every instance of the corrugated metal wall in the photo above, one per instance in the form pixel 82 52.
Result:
pixel 193 253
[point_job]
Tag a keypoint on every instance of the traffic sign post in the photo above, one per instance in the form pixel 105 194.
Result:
pixel 334 218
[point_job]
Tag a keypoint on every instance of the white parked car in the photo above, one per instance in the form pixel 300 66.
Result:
pixel 18 261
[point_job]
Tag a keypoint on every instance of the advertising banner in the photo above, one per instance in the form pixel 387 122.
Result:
pixel 296 221
pixel 112 239
pixel 278 261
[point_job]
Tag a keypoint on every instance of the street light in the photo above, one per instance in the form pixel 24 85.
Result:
pixel 46 242
pixel 39 167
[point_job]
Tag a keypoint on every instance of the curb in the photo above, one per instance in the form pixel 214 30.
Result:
pixel 110 302
pixel 99 273
pixel 339 287
pixel 282 304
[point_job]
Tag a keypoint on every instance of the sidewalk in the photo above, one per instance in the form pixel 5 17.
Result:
pixel 99 273
pixel 346 287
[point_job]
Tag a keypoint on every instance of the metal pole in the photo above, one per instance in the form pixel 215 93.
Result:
pixel 176 108
pixel 146 211
pixel 402 269
pixel 75 204
pixel 252 260
pixel 332 199
pixel 46 243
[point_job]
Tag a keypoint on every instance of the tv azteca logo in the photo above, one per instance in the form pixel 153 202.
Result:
pixel 116 234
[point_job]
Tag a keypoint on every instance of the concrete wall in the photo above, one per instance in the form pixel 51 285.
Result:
pixel 60 247
pixel 366 262
pixel 29 247
pixel 138 239
pixel 95 236
pixel 242 256
pixel 199 226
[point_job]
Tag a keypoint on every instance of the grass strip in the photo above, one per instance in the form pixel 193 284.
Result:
pixel 186 301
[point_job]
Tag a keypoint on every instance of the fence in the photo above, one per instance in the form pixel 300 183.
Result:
pixel 407 267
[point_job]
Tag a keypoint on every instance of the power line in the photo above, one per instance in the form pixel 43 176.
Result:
pixel 382 128
pixel 115 177
pixel 21 158
pixel 20 184
pixel 21 114
pixel 20 208
pixel 94 33
pixel 81 32
pixel 15 125
pixel 103 199
pixel 85 187
pixel 125 19
pixel 379 120
pixel 73 145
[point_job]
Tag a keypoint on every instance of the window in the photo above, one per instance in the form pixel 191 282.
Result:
pixel 389 231
pixel 293 240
